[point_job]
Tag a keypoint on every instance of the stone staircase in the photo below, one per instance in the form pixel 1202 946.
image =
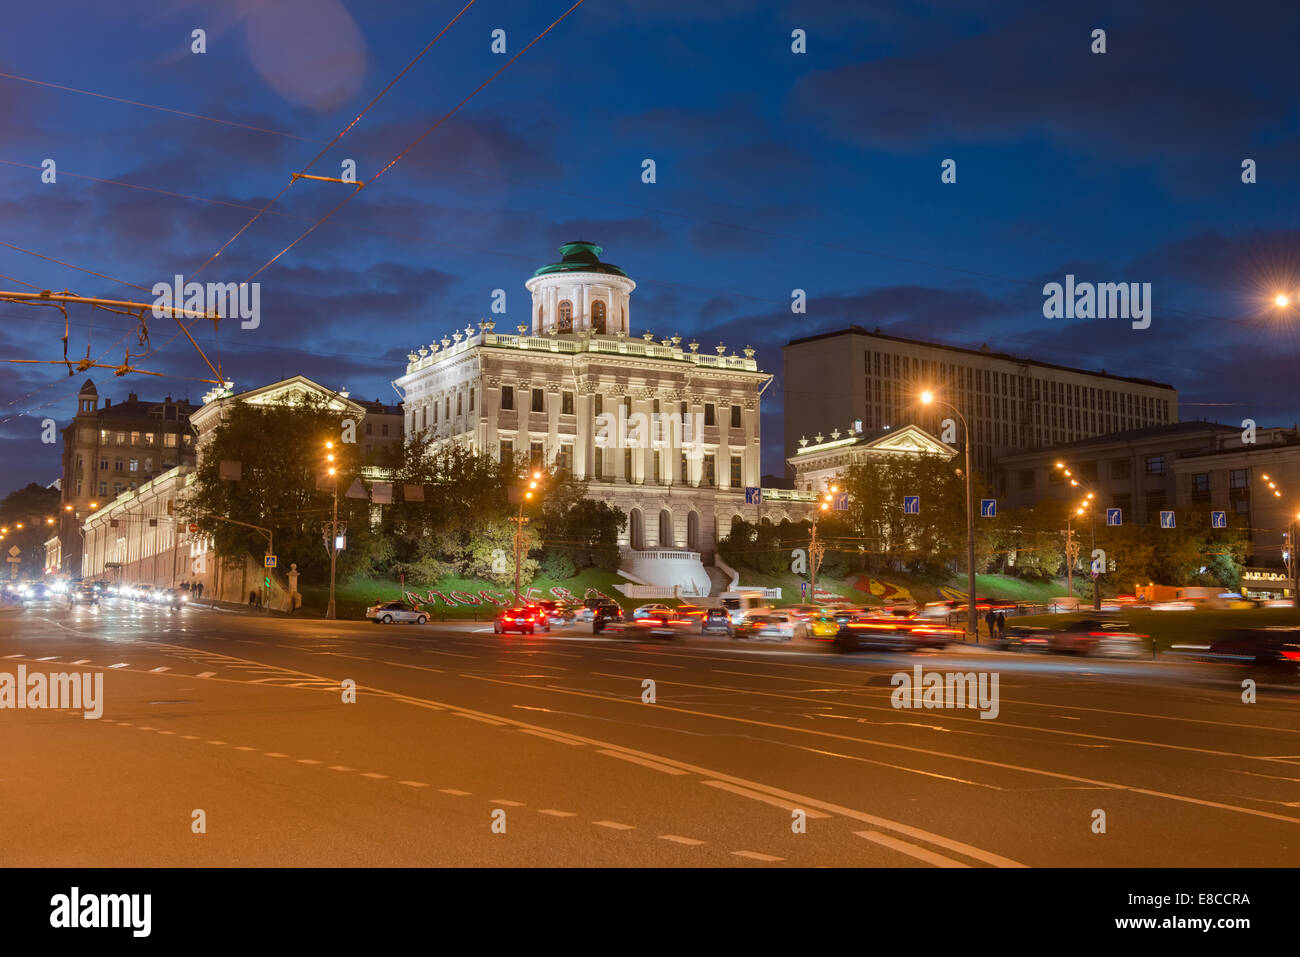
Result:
pixel 719 580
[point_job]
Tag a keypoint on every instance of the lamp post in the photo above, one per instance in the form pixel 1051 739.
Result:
pixel 334 526
pixel 1090 506
pixel 972 625
pixel 1293 529
pixel 815 549
pixel 524 495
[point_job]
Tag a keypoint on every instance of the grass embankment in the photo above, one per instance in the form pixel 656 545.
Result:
pixel 353 597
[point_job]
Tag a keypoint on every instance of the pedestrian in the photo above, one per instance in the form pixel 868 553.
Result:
pixel 252 598
pixel 990 620
pixel 259 601
pixel 1002 624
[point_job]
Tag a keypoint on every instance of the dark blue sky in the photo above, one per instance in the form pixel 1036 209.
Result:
pixel 775 171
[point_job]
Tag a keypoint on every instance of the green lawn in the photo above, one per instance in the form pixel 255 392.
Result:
pixel 352 597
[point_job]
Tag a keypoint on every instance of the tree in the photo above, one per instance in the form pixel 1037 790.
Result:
pixel 30 507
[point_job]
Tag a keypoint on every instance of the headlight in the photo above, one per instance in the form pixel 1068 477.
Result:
pixel 184 598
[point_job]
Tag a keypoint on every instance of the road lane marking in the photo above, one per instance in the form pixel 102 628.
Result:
pixel 205 674
pixel 551 736
pixel 554 813
pixel 615 825
pixel 372 774
pixel 244 747
pixel 340 767
pixel 754 855
pixel 83 661
pixel 475 717
pixel 216 742
pixel 159 670
pixel 678 839
pixel 189 737
pixel 765 798
pixel 275 754
pixel 398 664
pixel 308 761
pixel 50 658
pixel 120 664
pixel 911 850
pixel 166 732
pixel 414 784
pixel 455 792
pixel 666 769
pixel 506 803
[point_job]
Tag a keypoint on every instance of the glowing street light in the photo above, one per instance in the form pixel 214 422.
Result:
pixel 972 624
pixel 1282 300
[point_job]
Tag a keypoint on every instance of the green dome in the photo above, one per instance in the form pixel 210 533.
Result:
pixel 580 256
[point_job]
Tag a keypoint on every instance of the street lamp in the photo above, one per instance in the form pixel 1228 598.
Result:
pixel 1290 556
pixel 1087 506
pixel 972 625
pixel 525 494
pixel 333 473
pixel 815 549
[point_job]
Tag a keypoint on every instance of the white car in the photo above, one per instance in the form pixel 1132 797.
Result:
pixel 387 612
pixel 646 610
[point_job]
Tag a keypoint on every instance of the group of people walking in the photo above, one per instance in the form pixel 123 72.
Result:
pixel 997 623
pixel 195 589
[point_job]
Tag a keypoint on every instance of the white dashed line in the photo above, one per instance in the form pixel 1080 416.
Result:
pixel 274 754
pixel 83 661
pixel 474 717
pixel 414 784
pixel 372 774
pixel 189 737
pixel 678 839
pixel 205 674
pixel 154 671
pixel 455 792
pixel 120 664
pixel 50 658
pixel 166 732
pixel 216 742
pixel 615 825
pixel 506 803
pixel 554 813
pixel 244 747
pixel 645 763
pixel 551 737
pixel 754 855
pixel 911 850
pixel 308 761
pixel 765 798
pixel 339 767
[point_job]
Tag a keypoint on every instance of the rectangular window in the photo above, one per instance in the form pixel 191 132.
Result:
pixel 103 464
pixel 709 414
pixel 435 411
pixel 536 456
pixel 600 405
pixel 471 400
pixel 564 459
pixel 117 464
pixel 1201 482
pixel 370 428
pixel 566 403
pixel 135 438
pixel 539 400
pixel 627 465
pixel 148 465
pixel 1155 465
pixel 659 468
pixel 735 478
pixel 121 438
pixel 598 464
pixel 735 416
pixel 507 452
pixel 460 397
pixel 446 408
pixel 710 478
pixel 507 397
pixel 117 489
pixel 148 438
pixel 103 437
pixel 169 440
pixel 1239 478
pixel 103 488
pixel 383 428
pixel 135 465
pixel 686 470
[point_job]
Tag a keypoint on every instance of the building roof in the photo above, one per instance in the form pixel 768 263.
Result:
pixel 380 408
pixel 1172 430
pixel 983 352
pixel 581 256
pixel 89 389
pixel 134 408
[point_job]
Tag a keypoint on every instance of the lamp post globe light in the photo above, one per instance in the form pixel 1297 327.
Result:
pixel 333 472
pixel 815 549
pixel 972 624
pixel 524 493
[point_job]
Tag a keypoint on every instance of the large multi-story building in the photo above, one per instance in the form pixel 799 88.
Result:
pixel 111 449
pixel 1012 403
pixel 382 429
pixel 668 434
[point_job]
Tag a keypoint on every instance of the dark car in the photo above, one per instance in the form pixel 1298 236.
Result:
pixel 892 633
pixel 716 619
pixel 1261 647
pixel 554 612
pixel 525 620
pixel 657 624
pixel 605 614
pixel 1093 636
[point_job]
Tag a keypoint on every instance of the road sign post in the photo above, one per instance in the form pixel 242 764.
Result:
pixel 988 508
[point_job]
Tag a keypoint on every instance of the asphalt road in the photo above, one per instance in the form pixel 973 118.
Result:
pixel 464 748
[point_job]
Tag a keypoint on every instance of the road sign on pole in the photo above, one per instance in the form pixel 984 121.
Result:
pixel 268 561
pixel 1166 519
pixel 988 508
pixel 803 589
pixel 841 503
pixel 1114 516
pixel 911 505
pixel 753 495
pixel 1218 520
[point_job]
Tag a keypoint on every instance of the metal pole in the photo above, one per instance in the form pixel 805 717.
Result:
pixel 1069 556
pixel 334 547
pixel 1096 578
pixel 519 527
pixel 1295 565
pixel 812 562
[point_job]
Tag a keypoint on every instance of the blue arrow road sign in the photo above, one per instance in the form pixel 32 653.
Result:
pixel 1218 520
pixel 753 495
pixel 1166 519
pixel 911 505
pixel 988 508
pixel 841 503
pixel 1114 516
pixel 803 588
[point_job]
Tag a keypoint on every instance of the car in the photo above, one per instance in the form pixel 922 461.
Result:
pixel 1261 647
pixel 692 613
pixel 605 614
pixel 892 633
pixel 821 626
pixel 541 616
pixel 1094 636
pixel 650 609
pixel 387 612
pixel 658 624
pixel 776 626
pixel 524 619
pixel 81 593
pixel 555 612
pixel 715 619
pixel 172 597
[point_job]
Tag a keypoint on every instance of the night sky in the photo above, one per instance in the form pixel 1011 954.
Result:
pixel 775 171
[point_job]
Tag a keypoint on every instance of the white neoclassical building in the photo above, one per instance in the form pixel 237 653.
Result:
pixel 664 430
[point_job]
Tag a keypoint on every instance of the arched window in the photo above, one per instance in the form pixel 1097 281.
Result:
pixel 566 316
pixel 693 531
pixel 598 316
pixel 638 531
pixel 666 529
